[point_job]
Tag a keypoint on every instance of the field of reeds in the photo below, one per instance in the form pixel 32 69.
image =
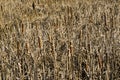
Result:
pixel 59 40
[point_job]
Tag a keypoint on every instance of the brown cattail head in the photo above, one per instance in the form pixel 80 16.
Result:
pixel 39 42
pixel 22 30
pixel 100 61
pixel 18 45
pixel 33 6
pixel 104 18
pixel 1 8
pixel 71 47
pixel 27 47
pixel 18 48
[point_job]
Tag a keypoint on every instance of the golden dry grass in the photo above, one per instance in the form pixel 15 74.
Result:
pixel 59 40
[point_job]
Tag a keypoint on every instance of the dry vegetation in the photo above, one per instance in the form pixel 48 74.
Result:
pixel 59 40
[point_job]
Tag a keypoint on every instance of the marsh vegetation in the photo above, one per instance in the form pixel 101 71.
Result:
pixel 59 40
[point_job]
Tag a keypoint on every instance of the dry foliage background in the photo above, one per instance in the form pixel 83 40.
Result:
pixel 59 40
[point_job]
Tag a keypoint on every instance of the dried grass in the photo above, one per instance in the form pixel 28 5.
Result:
pixel 59 40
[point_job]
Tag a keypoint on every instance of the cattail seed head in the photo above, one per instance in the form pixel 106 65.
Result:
pixel 39 42
pixel 22 30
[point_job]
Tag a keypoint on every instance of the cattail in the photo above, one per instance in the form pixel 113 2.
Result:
pixel 18 49
pixel 104 17
pixel 27 47
pixel 68 10
pixel 33 6
pixel 100 61
pixel 65 19
pixel 39 42
pixel 38 1
pixel 22 29
pixel 71 47
pixel 18 46
pixel 111 21
pixel 1 8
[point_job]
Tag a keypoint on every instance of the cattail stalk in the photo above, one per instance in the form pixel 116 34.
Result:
pixel 22 30
pixel 39 42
